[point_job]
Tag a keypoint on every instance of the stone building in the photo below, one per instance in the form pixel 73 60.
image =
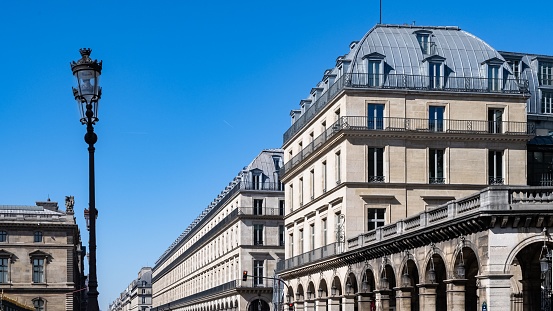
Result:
pixel 241 230
pixel 137 296
pixel 41 256
pixel 405 174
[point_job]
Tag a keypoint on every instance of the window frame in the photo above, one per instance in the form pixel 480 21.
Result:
pixel 436 166
pixel 257 234
pixel 375 159
pixel 495 164
pixel 38 236
pixel 373 219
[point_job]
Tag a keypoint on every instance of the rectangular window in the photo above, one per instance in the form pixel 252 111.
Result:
pixel 434 75
pixel 291 198
pixel 424 42
pixel 312 184
pixel 143 300
pixel 436 166
pixel 375 116
pixel 281 235
pixel 374 72
pixel 493 78
pixel 3 236
pixel 312 235
pixel 515 65
pixel 324 231
pixel 301 192
pixel 495 167
pixel 495 120
pixel 376 218
pixel 546 102
pixel 546 73
pixel 338 169
pixel 258 273
pixel 258 234
pixel 376 165
pixel 301 242
pixel 324 176
pixel 281 207
pixel 38 236
pixel 436 118
pixel 38 270
pixel 256 181
pixel 291 242
pixel 258 207
pixel 4 270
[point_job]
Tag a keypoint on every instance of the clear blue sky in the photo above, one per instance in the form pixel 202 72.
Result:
pixel 192 91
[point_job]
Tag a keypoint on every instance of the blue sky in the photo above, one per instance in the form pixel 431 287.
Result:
pixel 192 92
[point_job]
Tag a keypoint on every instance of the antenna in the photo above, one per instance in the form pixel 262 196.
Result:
pixel 380 12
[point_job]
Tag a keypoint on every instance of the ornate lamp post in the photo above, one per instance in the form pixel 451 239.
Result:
pixel 87 94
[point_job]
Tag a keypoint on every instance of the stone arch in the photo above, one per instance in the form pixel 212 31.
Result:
pixel 311 292
pixel 299 292
pixel 289 294
pixel 465 256
pixel 323 288
pixel 351 286
pixel 368 280
pixel 436 273
pixel 409 276
pixel 516 250
pixel 389 275
pixel 336 286
pixel 258 304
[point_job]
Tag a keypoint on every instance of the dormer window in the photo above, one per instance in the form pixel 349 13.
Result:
pixel 546 73
pixel 375 69
pixel 494 73
pixel 436 71
pixel 423 38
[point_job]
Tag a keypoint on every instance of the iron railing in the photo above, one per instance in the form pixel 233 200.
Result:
pixel 409 82
pixel 311 256
pixel 392 124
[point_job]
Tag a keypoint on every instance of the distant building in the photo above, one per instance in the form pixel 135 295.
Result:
pixel 241 230
pixel 406 172
pixel 137 296
pixel 41 256
pixel 537 72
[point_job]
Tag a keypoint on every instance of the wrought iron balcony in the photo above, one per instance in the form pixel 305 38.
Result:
pixel 494 180
pixel 436 180
pixel 406 82
pixel 412 125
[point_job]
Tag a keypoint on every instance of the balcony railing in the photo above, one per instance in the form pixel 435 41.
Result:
pixel 492 200
pixel 409 82
pixel 261 211
pixel 314 255
pixel 412 125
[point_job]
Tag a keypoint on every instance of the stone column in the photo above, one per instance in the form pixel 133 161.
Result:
pixel 427 296
pixel 334 304
pixel 403 298
pixel 496 290
pixel 455 291
pixel 348 303
pixel 309 305
pixel 364 301
pixel 320 304
pixel 382 300
pixel 299 305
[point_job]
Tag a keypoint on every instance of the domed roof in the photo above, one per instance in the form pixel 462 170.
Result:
pixel 405 50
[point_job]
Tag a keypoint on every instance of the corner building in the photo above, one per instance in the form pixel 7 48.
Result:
pixel 241 230
pixel 406 162
pixel 41 256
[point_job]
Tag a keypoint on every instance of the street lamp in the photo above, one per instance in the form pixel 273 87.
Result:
pixel 87 94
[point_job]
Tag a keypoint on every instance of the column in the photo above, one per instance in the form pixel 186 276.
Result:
pixel 496 291
pixel 427 296
pixel 309 305
pixel 334 304
pixel 403 298
pixel 320 304
pixel 348 303
pixel 364 301
pixel 455 291
pixel 298 305
pixel 382 300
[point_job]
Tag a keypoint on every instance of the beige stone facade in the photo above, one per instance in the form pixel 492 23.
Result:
pixel 41 256
pixel 385 163
pixel 137 296
pixel 242 230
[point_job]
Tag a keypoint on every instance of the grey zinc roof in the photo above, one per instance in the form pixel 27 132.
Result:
pixel 464 53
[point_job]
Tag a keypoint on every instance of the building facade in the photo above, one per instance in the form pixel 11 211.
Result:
pixel 41 256
pixel 137 296
pixel 241 230
pixel 382 163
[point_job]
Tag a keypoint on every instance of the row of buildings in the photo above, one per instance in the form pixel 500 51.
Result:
pixel 416 175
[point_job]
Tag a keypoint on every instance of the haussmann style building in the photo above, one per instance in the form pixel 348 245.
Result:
pixel 241 230
pixel 137 296
pixel 406 174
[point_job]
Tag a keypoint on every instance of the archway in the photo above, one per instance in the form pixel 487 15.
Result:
pixel 259 305
pixel 352 289
pixel 410 278
pixel 531 289
pixel 468 260
pixel 388 272
pixel 436 273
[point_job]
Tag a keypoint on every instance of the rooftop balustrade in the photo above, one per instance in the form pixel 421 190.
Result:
pixel 412 125
pixel 407 82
